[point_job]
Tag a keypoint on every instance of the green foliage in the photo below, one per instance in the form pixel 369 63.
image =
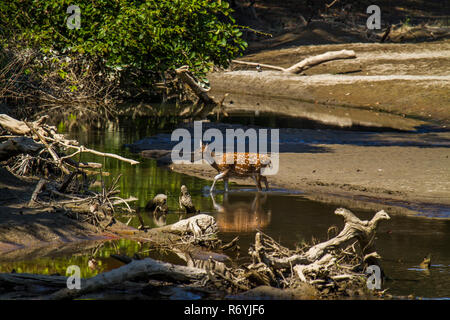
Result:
pixel 151 36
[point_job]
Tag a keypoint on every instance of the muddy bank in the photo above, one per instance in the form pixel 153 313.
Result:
pixel 406 180
pixel 33 231
pixel 407 80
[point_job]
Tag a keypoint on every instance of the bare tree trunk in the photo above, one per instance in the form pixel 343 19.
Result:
pixel 313 61
pixel 198 225
pixel 136 269
pixel 18 145
pixel 305 63
pixel 184 74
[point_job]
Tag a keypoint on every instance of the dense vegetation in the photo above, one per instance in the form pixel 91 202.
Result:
pixel 153 35
pixel 133 42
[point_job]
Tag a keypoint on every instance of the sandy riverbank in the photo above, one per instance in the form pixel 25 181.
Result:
pixel 405 172
pixel 390 86
pixel 400 179
pixel 400 80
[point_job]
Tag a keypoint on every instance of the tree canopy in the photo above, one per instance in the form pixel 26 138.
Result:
pixel 149 35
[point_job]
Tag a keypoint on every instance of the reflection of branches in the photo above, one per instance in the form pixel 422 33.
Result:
pixel 96 249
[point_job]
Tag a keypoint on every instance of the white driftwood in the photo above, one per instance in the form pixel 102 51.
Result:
pixel 313 61
pixel 18 127
pixel 354 228
pixel 306 63
pixel 46 135
pixel 315 267
pixel 136 269
pixel 198 225
pixel 262 65
pixel 98 153
pixel 14 126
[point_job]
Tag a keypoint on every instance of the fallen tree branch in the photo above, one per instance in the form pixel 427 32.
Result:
pixel 262 65
pixel 198 225
pixel 18 127
pixel 50 149
pixel 32 279
pixel 325 57
pixel 184 74
pixel 145 268
pixel 354 228
pixel 47 134
pixel 81 149
pixel 306 63
pixel 40 185
pixel 18 145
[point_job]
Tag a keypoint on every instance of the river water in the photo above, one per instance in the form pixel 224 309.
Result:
pixel 285 215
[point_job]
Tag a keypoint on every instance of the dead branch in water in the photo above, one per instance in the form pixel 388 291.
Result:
pixel 135 269
pixel 354 229
pixel 305 63
pixel 206 104
pixel 47 135
pixel 36 149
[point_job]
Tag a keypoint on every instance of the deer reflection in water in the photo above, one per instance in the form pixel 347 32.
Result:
pixel 242 216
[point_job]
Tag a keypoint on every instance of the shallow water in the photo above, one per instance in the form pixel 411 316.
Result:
pixel 284 215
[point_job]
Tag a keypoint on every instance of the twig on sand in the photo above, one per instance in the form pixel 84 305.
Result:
pixel 305 63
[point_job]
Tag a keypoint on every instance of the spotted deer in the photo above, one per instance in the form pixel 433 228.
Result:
pixel 243 164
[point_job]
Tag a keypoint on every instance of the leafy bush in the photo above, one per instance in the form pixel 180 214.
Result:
pixel 152 36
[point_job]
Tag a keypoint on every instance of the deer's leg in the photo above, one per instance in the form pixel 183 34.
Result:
pixel 225 182
pixel 219 176
pixel 266 183
pixel 257 179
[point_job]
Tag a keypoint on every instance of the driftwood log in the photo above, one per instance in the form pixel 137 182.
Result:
pixel 47 137
pixel 18 127
pixel 198 225
pixel 354 229
pixel 334 267
pixel 198 229
pixel 305 63
pixel 184 74
pixel 27 279
pixel 17 145
pixel 145 268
